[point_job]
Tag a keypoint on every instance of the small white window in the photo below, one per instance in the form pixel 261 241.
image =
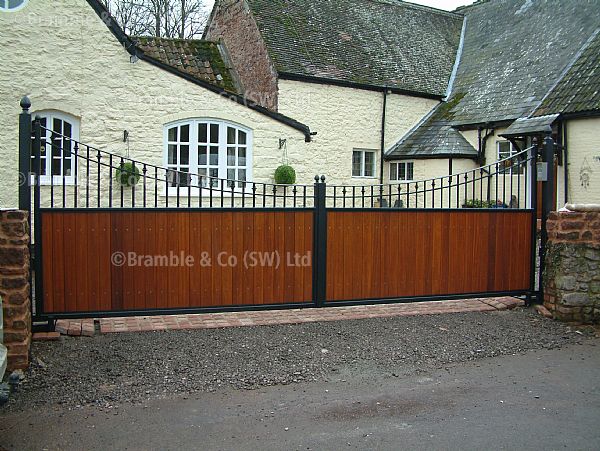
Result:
pixel 204 151
pixel 514 166
pixel 402 172
pixel 363 163
pixel 59 133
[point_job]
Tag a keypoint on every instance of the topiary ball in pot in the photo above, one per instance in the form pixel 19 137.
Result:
pixel 127 174
pixel 285 175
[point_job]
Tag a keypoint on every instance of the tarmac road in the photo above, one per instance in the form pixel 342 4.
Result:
pixel 543 399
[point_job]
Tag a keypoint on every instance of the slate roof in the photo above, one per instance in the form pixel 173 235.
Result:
pixel 530 125
pixel 433 138
pixel 579 89
pixel 513 53
pixel 374 42
pixel 200 59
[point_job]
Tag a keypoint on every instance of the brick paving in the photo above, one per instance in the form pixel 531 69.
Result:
pixel 88 327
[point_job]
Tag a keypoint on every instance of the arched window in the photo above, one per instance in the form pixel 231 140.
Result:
pixel 204 150
pixel 59 131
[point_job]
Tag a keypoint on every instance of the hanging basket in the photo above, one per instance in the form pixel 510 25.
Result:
pixel 285 175
pixel 128 174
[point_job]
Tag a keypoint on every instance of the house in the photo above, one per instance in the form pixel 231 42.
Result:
pixel 362 91
pixel 403 92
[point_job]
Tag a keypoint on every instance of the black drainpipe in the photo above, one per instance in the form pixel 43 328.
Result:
pixel 382 135
pixel 563 126
pixel 482 143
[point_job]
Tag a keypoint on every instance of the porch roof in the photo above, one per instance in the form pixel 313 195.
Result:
pixel 530 126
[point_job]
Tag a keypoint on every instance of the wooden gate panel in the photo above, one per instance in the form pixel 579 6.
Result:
pixel 79 276
pixel 395 254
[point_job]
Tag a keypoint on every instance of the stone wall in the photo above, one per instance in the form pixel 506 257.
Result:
pixel 234 26
pixel 14 286
pixel 572 272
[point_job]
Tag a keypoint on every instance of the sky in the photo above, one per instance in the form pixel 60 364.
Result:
pixel 448 5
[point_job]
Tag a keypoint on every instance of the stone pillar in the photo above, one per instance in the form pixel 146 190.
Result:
pixel 14 286
pixel 572 273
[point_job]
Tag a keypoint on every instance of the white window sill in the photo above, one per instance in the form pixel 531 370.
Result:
pixel 54 181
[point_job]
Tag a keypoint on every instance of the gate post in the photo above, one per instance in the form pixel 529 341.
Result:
pixel 320 243
pixel 25 155
pixel 547 203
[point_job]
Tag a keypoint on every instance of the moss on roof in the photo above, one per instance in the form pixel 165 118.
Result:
pixel 198 58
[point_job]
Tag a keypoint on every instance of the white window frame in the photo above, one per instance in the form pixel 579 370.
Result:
pixel 222 155
pixel 5 9
pixel 513 151
pixel 49 116
pixel 362 164
pixel 406 178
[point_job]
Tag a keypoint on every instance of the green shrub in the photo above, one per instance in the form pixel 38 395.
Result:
pixel 128 174
pixel 476 203
pixel 285 175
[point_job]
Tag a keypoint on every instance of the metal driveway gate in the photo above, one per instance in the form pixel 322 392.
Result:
pixel 121 237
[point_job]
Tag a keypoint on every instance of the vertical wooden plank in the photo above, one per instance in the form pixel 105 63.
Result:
pixel 204 258
pixel 69 267
pixel 227 249
pixel 279 272
pixel 116 240
pixel 217 238
pixel 104 262
pixel 247 294
pixel 195 250
pixel 93 256
pixel 289 251
pixel 130 272
pixel 300 248
pixel 162 248
pixel 183 251
pixel 140 247
pixel 150 279
pixel 259 233
pixel 332 253
pixel 48 263
pixel 237 271
pixel 392 249
pixel 348 234
pixel 79 272
pixel 370 242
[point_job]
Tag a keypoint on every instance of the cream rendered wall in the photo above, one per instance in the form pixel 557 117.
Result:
pixel 345 119
pixel 583 141
pixel 64 57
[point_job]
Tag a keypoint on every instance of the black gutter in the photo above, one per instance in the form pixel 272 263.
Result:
pixel 350 84
pixel 382 136
pixel 488 124
pixel 431 156
pixel 133 50
pixel 581 114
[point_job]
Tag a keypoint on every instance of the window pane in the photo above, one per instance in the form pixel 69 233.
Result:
pixel 185 134
pixel 68 131
pixel 503 149
pixel 55 166
pixel 230 135
pixel 172 154
pixel 57 126
pixel 369 164
pixel 214 133
pixel 67 166
pixel 184 177
pixel 231 156
pixel 56 145
pixel 214 173
pixel 241 137
pixel 184 155
pixel 202 155
pixel 202 133
pixel 241 177
pixel 214 156
pixel 356 163
pixel 173 134
pixel 230 174
pixel 242 156
pixel 410 168
pixel 394 171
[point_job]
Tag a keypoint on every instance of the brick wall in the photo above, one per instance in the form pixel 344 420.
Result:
pixel 14 286
pixel 234 26
pixel 572 272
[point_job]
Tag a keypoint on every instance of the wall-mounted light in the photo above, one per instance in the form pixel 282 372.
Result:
pixel 282 143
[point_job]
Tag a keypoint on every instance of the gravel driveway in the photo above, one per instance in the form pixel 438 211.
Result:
pixel 107 370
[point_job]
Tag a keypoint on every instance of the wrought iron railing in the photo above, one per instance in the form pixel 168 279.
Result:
pixel 503 184
pixel 93 178
pixel 88 177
